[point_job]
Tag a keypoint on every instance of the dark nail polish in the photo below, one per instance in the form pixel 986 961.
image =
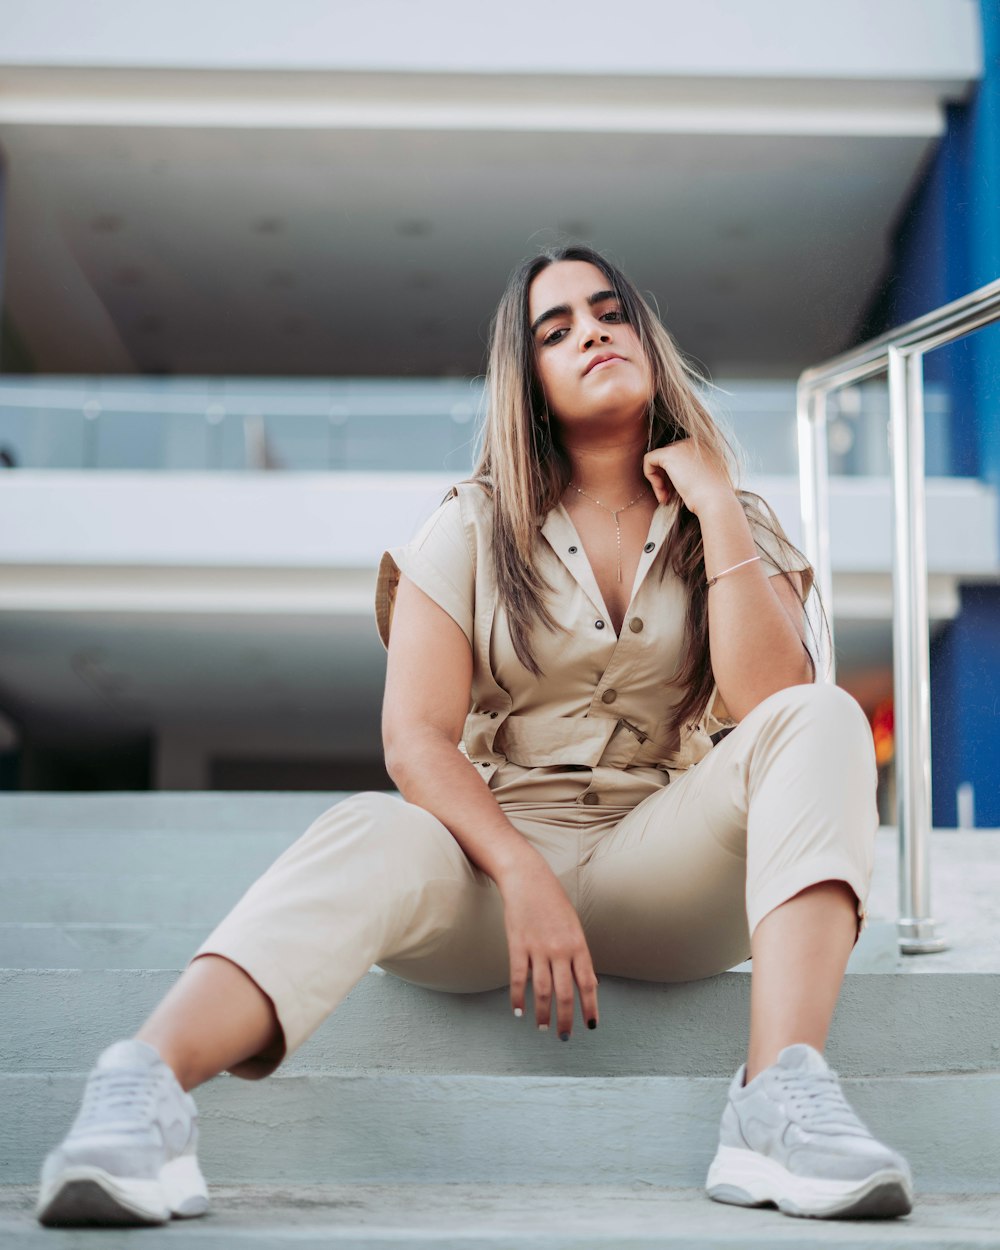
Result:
pixel 564 1037
pixel 591 1024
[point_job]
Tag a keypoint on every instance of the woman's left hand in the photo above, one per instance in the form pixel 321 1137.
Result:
pixel 679 469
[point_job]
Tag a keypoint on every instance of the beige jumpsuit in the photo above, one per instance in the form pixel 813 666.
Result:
pixel 671 849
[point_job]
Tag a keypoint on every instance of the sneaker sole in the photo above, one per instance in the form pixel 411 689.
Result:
pixel 748 1179
pixel 88 1196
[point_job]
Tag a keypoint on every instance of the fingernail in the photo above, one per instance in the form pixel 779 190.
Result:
pixel 543 1028
pixel 591 1024
pixel 564 1037
pixel 518 1012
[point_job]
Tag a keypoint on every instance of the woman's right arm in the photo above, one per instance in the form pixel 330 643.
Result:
pixel 427 694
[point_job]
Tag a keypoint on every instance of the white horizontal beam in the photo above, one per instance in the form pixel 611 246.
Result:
pixel 324 592
pixel 285 521
pixel 921 119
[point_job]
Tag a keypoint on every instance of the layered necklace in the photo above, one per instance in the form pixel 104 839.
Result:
pixel 614 512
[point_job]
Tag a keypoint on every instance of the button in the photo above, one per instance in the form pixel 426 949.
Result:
pixel 572 551
pixel 590 799
pixel 609 696
pixel 635 624
pixel 598 624
pixel 649 546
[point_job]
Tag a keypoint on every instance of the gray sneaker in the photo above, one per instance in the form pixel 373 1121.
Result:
pixel 790 1138
pixel 129 1157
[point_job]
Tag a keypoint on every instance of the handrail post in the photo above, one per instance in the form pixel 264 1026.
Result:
pixel 815 507
pixel 901 351
pixel 911 653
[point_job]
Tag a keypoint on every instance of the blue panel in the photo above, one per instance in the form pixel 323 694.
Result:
pixel 947 244
pixel 3 231
pixel 932 268
pixel 965 709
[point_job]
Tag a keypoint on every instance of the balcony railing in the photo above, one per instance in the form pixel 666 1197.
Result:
pixel 416 424
pixel 900 354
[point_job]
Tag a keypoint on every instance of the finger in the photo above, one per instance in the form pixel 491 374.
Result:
pixel 586 980
pixel 518 980
pixel 541 989
pixel 658 480
pixel 562 978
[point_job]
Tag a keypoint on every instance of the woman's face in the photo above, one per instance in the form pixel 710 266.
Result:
pixel 588 359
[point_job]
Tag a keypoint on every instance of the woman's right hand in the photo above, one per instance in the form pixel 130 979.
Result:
pixel 546 943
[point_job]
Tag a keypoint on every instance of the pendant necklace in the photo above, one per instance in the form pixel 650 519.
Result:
pixel 614 512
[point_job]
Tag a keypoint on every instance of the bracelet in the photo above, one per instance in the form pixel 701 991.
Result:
pixel 713 580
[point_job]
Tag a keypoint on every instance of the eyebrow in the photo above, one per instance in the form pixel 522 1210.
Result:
pixel 563 310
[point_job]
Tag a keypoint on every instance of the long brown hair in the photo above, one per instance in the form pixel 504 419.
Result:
pixel 523 466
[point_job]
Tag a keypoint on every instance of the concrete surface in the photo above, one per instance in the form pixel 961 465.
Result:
pixel 403 1085
pixel 473 1217
pixel 885 1024
pixel 357 1127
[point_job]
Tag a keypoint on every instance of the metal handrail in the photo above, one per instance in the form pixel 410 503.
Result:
pixel 900 353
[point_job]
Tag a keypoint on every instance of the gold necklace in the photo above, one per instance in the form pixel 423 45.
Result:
pixel 614 512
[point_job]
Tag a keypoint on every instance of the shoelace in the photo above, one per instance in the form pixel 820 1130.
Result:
pixel 118 1095
pixel 820 1101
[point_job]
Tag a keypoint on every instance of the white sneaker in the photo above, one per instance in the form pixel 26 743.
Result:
pixel 791 1138
pixel 129 1157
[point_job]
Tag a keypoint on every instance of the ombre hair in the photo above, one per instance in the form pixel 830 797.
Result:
pixel 525 469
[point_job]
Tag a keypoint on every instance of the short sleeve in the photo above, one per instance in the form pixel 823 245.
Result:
pixel 440 561
pixel 774 556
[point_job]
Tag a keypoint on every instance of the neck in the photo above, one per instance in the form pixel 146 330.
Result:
pixel 612 477
pixel 616 485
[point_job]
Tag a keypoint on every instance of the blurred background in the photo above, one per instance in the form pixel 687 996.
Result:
pixel 248 258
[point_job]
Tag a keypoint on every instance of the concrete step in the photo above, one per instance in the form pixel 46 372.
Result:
pixel 886 1024
pixel 159 898
pixel 85 944
pixel 575 1216
pixel 89 853
pixel 405 1084
pixel 165 811
pixel 92 945
pixel 122 859
pixel 364 1127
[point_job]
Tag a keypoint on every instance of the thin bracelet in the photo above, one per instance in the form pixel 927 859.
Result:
pixel 713 580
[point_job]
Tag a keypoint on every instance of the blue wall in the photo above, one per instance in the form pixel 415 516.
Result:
pixel 947 244
pixel 3 232
pixel 965 708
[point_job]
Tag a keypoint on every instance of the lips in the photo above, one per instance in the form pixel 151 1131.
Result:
pixel 599 360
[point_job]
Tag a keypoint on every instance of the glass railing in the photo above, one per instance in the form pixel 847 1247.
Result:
pixel 395 424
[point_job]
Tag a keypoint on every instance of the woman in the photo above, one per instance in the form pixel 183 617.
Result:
pixel 607 604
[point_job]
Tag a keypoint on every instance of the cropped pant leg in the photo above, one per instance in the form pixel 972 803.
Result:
pixel 784 801
pixel 374 879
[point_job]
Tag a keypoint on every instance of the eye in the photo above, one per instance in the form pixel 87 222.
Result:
pixel 551 337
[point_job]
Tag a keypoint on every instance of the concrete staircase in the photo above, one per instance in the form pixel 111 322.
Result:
pixel 420 1119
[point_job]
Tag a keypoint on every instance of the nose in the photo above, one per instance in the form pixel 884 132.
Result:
pixel 593 331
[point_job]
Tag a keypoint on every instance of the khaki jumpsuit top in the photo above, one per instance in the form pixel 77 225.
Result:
pixel 593 730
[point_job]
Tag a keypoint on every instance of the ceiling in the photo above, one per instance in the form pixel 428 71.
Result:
pixel 203 250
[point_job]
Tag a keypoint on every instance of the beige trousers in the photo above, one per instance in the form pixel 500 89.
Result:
pixel 668 890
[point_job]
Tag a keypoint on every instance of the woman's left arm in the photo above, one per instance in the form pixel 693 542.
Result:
pixel 756 623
